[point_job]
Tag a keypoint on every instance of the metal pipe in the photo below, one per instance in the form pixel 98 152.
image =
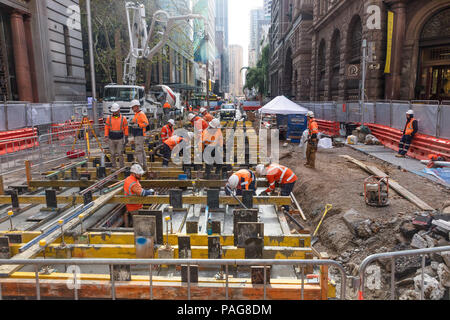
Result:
pixel 113 286
pixel 92 62
pixel 392 278
pixel 102 182
pixel 303 283
pixel 151 282
pixel 38 287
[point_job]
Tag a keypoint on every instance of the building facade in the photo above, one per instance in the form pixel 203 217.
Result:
pixel 258 22
pixel 290 48
pixel 222 64
pixel 419 56
pixel 41 51
pixel 236 64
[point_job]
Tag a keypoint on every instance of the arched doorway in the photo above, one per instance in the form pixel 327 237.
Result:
pixel 434 58
pixel 335 65
pixel 288 73
pixel 353 57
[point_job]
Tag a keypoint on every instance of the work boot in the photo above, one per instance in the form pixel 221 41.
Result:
pixel 400 156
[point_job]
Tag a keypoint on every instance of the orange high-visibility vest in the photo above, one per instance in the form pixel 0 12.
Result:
pixel 212 137
pixel 141 119
pixel 127 190
pixel 173 141
pixel 200 123
pixel 245 179
pixel 116 128
pixel 166 132
pixel 409 127
pixel 313 127
pixel 279 174
pixel 167 105
pixel 208 117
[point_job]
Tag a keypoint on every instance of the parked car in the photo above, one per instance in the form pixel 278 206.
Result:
pixel 228 112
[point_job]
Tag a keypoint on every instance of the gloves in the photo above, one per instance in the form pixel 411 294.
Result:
pixel 147 193
pixel 133 125
pixel 263 194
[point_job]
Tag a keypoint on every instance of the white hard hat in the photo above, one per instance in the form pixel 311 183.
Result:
pixel 215 123
pixel 191 116
pixel 233 181
pixel 202 110
pixel 261 170
pixel 191 135
pixel 310 114
pixel 135 103
pixel 410 112
pixel 115 108
pixel 171 121
pixel 137 169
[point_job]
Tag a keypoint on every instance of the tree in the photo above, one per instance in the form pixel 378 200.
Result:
pixel 257 78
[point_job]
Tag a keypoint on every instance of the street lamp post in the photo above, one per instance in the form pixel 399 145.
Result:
pixel 363 84
pixel 91 58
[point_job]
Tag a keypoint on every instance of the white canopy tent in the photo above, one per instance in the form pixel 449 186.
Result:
pixel 282 105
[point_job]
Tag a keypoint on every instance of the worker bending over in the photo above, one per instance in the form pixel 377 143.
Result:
pixel 168 146
pixel 167 130
pixel 206 115
pixel 241 180
pixel 276 173
pixel 197 122
pixel 313 140
pixel 409 132
pixel 116 129
pixel 132 187
pixel 138 128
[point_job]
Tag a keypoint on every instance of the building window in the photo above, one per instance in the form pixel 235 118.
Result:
pixel 354 50
pixel 68 51
pixel 321 62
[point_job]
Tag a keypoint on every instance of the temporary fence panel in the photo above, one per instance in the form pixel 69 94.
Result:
pixel 383 113
pixel 399 115
pixel 329 110
pixel 444 122
pixel 427 116
pixel 39 114
pixel 2 118
pixel 16 115
pixel 62 112
pixel 341 115
pixel 369 112
pixel 354 112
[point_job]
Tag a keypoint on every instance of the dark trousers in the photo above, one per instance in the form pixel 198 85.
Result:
pixel 405 144
pixel 166 153
pixel 286 190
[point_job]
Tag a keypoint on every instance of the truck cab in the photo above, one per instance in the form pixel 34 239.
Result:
pixel 123 95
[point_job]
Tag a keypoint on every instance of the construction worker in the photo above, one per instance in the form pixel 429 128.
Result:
pixel 138 127
pixel 311 148
pixel 199 123
pixel 409 132
pixel 166 108
pixel 206 115
pixel 168 146
pixel 212 137
pixel 241 180
pixel 167 130
pixel 116 129
pixel 276 173
pixel 132 187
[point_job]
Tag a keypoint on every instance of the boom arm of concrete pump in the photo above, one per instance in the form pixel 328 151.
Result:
pixel 140 38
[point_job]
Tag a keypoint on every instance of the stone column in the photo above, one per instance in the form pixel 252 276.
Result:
pixel 393 81
pixel 21 60
pixel 27 23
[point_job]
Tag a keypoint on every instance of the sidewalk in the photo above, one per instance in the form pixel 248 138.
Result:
pixel 388 155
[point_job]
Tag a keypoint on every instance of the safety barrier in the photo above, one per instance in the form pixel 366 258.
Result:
pixel 77 284
pixel 330 128
pixel 422 145
pixel 392 255
pixel 16 140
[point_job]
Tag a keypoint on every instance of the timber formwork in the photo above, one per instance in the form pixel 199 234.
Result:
pixel 76 211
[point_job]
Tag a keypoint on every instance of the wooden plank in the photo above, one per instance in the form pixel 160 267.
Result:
pixel 283 222
pixel 298 206
pixel 34 250
pixel 392 184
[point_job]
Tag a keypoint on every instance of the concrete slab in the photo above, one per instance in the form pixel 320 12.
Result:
pixel 388 155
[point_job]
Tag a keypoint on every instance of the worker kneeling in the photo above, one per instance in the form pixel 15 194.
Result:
pixel 206 115
pixel 132 187
pixel 276 173
pixel 241 180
